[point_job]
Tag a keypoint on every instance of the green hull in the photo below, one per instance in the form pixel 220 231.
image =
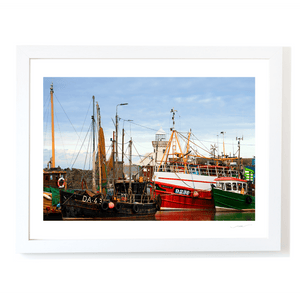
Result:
pixel 232 200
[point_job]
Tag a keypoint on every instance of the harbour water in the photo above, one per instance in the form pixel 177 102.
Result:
pixel 203 215
pixel 183 215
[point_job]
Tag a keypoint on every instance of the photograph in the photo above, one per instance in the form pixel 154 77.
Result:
pixel 149 148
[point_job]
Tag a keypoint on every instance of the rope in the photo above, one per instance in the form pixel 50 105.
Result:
pixel 61 138
pixel 81 145
pixel 140 125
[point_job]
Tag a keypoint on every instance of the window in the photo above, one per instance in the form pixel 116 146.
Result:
pixel 228 186
pixel 234 187
pixel 51 177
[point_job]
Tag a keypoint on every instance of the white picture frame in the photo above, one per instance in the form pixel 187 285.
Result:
pixel 271 242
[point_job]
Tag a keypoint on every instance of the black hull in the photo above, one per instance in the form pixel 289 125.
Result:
pixel 76 206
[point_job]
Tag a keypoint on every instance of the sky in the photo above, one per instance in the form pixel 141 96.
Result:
pixel 206 105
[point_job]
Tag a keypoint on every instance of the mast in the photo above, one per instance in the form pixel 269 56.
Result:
pixel 130 163
pixel 99 157
pixel 239 158
pixel 223 143
pixel 52 124
pixel 94 154
pixel 123 152
pixel 187 150
pixel 114 164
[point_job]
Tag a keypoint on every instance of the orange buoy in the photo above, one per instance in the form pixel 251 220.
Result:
pixel 196 194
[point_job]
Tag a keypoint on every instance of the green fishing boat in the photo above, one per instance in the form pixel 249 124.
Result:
pixel 233 194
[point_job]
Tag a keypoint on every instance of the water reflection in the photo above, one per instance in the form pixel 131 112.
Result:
pixel 203 215
pixel 186 215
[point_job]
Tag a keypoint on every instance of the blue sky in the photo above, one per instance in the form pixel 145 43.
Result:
pixel 205 105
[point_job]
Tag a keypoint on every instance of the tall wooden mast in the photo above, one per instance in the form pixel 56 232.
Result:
pixel 94 153
pixel 52 123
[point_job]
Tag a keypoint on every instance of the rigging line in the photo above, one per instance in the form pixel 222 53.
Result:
pixel 67 116
pixel 82 127
pixel 199 141
pixel 47 99
pixel 46 117
pixel 87 151
pixel 136 150
pixel 251 145
pixel 192 142
pixel 81 145
pixel 62 140
pixel 182 132
pixel 142 126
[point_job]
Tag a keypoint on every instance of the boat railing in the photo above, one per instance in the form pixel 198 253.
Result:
pixel 217 171
pixel 131 198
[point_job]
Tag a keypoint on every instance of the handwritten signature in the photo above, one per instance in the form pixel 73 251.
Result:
pixel 240 226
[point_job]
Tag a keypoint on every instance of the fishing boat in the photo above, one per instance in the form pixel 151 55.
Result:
pixel 233 194
pixel 115 199
pixel 86 205
pixel 181 182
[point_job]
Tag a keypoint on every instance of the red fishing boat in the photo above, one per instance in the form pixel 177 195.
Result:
pixel 179 180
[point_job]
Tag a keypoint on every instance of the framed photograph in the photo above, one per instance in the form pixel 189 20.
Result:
pixel 225 100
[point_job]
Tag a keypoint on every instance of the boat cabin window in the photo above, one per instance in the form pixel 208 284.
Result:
pixel 240 185
pixel 234 186
pixel 228 186
pixel 51 177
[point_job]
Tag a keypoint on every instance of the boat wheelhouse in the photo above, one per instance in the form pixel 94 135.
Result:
pixel 234 185
pixel 233 193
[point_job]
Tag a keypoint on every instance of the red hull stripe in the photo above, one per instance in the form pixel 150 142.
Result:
pixel 185 180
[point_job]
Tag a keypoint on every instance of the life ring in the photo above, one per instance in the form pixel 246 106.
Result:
pixel 61 182
pixel 135 208
pixel 104 205
pixel 118 206
pixel 248 200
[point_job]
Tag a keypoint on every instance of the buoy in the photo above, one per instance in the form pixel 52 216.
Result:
pixel 111 205
pixel 195 194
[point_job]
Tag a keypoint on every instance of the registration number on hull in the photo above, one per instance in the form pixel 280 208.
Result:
pixel 182 192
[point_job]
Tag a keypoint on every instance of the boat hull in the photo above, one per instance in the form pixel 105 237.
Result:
pixel 184 191
pixel 234 201
pixel 81 207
